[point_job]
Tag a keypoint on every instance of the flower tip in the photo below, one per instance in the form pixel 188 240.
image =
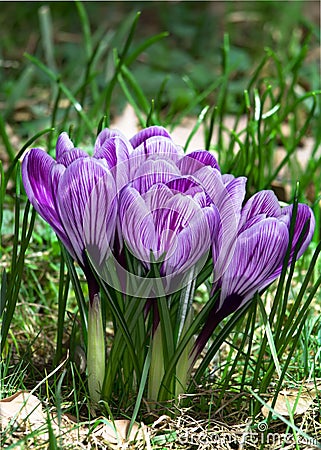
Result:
pixel 64 143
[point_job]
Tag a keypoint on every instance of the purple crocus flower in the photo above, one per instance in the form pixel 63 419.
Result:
pixel 167 218
pixel 155 160
pixel 258 257
pixel 76 195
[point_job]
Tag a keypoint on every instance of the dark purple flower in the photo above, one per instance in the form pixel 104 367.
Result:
pixel 259 254
pixel 76 195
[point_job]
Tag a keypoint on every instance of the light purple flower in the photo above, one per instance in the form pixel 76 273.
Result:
pixel 174 220
pixel 153 159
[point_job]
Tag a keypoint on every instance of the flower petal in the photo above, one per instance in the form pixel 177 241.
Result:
pixel 64 144
pixel 193 242
pixel 194 161
pixel 37 168
pixel 137 224
pixel 115 151
pixel 263 202
pixel 153 171
pixel 228 200
pixel 304 214
pixel 258 255
pixel 105 135
pixel 156 197
pixel 86 204
pixel 67 157
pixel 147 133
pixel 154 146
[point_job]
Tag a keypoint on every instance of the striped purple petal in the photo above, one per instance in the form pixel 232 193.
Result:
pixel 194 161
pixel 70 156
pixel 108 134
pixel 169 224
pixel 137 225
pixel 228 198
pixel 64 144
pixel 263 202
pixel 153 171
pixel 143 135
pixel 37 175
pixel 154 146
pixel 193 240
pixel 304 217
pixel 87 208
pixel 114 151
pixel 258 251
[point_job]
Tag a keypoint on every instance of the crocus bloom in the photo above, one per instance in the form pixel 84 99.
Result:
pixel 172 219
pixel 76 195
pixel 155 160
pixel 259 254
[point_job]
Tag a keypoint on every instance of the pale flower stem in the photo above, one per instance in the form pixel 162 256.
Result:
pixel 183 368
pixel 156 371
pixel 96 359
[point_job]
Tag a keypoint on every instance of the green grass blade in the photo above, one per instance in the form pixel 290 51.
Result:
pixel 64 283
pixel 85 28
pixel 47 36
pixel 21 152
pixel 53 77
pixel 142 384
pixel 82 304
pixel 218 340
pixel 16 271
pixel 5 139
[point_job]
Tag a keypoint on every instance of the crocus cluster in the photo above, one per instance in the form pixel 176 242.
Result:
pixel 145 196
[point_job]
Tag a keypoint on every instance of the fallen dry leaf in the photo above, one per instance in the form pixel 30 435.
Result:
pixel 295 400
pixel 22 409
pixel 115 432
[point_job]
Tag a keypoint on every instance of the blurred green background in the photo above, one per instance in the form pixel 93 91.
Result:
pixel 191 55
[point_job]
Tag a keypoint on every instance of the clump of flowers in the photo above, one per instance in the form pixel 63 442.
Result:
pixel 148 223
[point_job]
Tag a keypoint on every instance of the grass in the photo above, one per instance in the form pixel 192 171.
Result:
pixel 79 82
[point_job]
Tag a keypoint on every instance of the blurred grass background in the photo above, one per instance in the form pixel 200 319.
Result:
pixel 190 56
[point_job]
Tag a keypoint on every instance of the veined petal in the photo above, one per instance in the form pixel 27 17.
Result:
pixel 105 135
pixel 184 184
pixel 37 168
pixel 236 191
pixel 192 242
pixel 227 178
pixel 263 202
pixel 156 197
pixel 115 151
pixel 147 133
pixel 228 200
pixel 86 204
pixel 257 258
pixel 156 145
pixel 194 161
pixel 67 157
pixel 99 222
pixel 64 144
pixel 303 215
pixel 211 180
pixel 136 223
pixel 178 212
pixel 154 171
